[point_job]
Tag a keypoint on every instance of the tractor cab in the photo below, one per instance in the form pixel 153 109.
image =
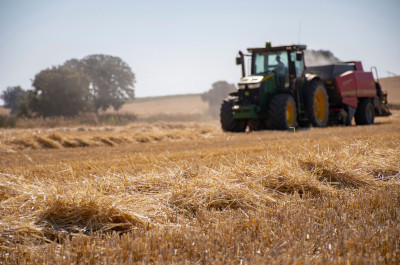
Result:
pixel 266 63
pixel 283 63
pixel 274 70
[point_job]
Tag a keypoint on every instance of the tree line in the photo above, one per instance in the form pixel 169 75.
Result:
pixel 96 82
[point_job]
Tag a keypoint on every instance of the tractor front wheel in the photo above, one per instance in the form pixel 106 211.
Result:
pixel 365 113
pixel 282 112
pixel 228 123
pixel 316 103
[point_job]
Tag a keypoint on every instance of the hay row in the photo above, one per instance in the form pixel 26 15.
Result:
pixel 56 140
pixel 122 202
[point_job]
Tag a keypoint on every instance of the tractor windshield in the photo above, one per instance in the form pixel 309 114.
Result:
pixel 264 63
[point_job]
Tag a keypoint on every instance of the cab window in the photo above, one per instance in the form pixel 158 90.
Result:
pixel 263 63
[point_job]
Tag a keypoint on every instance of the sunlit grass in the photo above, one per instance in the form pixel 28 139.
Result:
pixel 189 193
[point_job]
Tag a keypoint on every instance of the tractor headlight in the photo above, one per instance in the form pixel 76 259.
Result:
pixel 242 86
pixel 252 86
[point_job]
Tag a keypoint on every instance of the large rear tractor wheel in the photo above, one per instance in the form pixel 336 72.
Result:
pixel 316 103
pixel 365 113
pixel 228 123
pixel 282 112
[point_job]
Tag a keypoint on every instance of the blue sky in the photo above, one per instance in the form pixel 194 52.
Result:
pixel 178 47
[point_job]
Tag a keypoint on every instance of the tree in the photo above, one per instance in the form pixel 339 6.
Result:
pixel 59 91
pixel 112 80
pixel 216 94
pixel 13 96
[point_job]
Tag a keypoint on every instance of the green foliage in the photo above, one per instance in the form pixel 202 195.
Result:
pixel 59 91
pixel 216 94
pixel 12 97
pixel 23 106
pixel 112 80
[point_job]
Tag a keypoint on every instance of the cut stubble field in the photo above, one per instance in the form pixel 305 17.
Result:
pixel 182 193
pixel 187 193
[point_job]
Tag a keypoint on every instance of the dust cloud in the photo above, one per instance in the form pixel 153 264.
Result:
pixel 319 57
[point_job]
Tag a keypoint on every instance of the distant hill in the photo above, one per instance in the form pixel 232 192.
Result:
pixel 168 108
pixel 392 86
pixel 155 98
pixel 4 111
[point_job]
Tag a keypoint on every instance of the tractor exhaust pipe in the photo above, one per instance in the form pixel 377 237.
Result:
pixel 240 60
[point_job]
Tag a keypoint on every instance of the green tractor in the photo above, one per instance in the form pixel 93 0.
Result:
pixel 281 93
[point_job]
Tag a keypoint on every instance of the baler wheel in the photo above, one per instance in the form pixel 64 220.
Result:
pixel 282 112
pixel 317 104
pixel 365 113
pixel 228 123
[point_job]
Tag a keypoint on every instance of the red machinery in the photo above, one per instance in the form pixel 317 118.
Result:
pixel 352 92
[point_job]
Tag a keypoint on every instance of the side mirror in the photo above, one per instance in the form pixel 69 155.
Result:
pixel 299 56
pixel 238 60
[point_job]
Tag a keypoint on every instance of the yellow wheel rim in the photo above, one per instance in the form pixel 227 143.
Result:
pixel 320 106
pixel 290 114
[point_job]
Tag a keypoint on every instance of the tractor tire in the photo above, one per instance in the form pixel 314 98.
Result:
pixel 228 123
pixel 365 113
pixel 282 112
pixel 316 103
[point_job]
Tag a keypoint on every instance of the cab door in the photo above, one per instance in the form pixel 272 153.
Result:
pixel 296 69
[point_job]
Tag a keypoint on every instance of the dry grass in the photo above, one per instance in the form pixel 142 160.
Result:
pixel 4 111
pixel 392 86
pixel 72 137
pixel 87 119
pixel 181 193
pixel 190 105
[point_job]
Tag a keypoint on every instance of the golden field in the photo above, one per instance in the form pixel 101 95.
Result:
pixel 392 86
pixel 186 193
pixel 182 193
pixel 184 107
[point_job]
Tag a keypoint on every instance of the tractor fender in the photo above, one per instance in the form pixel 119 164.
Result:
pixel 310 77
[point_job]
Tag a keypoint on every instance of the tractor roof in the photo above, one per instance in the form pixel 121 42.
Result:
pixel 279 48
